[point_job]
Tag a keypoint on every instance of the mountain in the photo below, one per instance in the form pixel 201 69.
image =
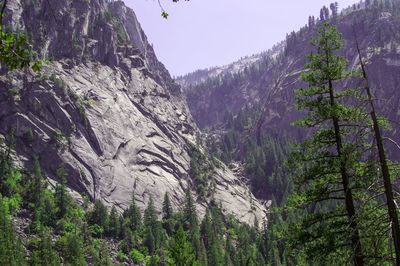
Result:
pixel 105 159
pixel 248 107
pixel 106 109
pixel 267 84
pixel 201 75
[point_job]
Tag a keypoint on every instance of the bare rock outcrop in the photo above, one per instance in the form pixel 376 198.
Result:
pixel 107 109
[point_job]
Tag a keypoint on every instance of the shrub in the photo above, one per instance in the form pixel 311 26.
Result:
pixel 13 91
pixel 59 138
pixel 121 257
pixel 137 256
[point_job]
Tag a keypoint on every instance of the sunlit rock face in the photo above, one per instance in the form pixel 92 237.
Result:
pixel 105 108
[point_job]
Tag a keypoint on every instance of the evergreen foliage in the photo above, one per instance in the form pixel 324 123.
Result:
pixel 11 249
pixel 328 158
pixel 336 197
pixel 62 200
pixel 334 217
pixel 181 250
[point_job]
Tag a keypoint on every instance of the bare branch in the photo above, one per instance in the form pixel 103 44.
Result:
pixel 393 141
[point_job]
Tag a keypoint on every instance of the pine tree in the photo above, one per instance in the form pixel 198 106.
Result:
pixel 150 215
pixel 243 245
pixel 328 159
pixel 273 255
pixel 128 241
pixel 44 253
pixel 310 22
pixel 150 241
pixel 191 222
pixel 326 12
pixel 230 253
pixel 99 215
pixel 322 15
pixel 5 167
pixel 190 212
pixel 207 230
pixel 10 176
pixel 62 198
pixel 100 255
pixel 122 226
pixel 212 231
pixel 35 195
pixel 388 186
pixel 114 223
pixel 49 214
pixel 167 208
pixel 203 254
pixel 73 252
pixel 334 9
pixel 11 250
pixel 134 216
pixel 167 214
pixel 181 251
pixel 152 227
pixel 37 183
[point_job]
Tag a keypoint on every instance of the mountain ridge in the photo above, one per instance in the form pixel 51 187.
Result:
pixel 291 59
pixel 238 110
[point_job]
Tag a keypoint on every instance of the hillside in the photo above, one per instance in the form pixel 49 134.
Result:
pixel 103 120
pixel 107 160
pixel 268 84
pixel 106 108
pixel 202 75
pixel 248 110
pixel 247 113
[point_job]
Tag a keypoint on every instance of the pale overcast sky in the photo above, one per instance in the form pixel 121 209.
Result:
pixel 205 33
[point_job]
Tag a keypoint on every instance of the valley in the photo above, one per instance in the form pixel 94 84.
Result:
pixel 105 159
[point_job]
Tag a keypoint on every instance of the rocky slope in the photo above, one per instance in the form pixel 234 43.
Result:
pixel 201 75
pixel 107 109
pixel 269 83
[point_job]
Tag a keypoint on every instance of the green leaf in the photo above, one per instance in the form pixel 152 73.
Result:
pixel 164 14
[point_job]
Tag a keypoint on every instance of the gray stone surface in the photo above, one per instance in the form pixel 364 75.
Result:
pixel 107 109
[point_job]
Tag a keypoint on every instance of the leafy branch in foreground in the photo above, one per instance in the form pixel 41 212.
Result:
pixel 164 13
pixel 15 50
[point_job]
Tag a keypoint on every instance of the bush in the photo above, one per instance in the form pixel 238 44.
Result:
pixel 201 170
pixel 96 230
pixel 137 256
pixel 59 138
pixel 121 257
pixel 152 260
pixel 13 91
pixel 65 225
pixel 28 136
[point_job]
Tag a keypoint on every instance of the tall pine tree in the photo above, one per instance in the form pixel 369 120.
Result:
pixel 327 161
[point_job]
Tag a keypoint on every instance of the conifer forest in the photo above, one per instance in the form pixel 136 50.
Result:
pixel 289 156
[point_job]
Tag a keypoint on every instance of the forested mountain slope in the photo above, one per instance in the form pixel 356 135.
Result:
pixel 248 109
pixel 267 85
pixel 247 112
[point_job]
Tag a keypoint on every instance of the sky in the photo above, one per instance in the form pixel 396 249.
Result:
pixel 205 33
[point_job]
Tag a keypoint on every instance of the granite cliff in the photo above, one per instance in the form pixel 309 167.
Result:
pixel 108 110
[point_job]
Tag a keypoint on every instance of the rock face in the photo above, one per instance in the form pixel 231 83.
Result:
pixel 268 84
pixel 107 109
